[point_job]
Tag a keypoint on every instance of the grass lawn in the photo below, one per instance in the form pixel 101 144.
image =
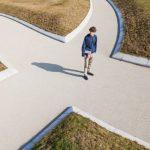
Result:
pixel 136 14
pixel 57 16
pixel 2 66
pixel 78 133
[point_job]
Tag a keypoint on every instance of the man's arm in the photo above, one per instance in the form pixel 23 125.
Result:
pixel 83 47
pixel 95 44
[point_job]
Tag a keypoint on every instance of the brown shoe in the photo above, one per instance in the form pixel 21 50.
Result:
pixel 90 73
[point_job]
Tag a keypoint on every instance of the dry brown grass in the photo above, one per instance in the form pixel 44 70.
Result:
pixel 57 16
pixel 78 133
pixel 2 66
pixel 136 14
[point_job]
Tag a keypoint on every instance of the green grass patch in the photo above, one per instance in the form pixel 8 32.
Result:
pixel 2 66
pixel 56 16
pixel 79 133
pixel 136 15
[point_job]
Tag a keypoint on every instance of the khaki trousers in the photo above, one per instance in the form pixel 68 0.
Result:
pixel 87 64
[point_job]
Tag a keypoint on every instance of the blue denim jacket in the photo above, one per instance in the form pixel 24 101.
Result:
pixel 89 44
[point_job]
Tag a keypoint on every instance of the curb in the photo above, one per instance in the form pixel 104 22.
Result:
pixel 141 61
pixel 111 128
pixel 121 32
pixel 116 54
pixel 7 72
pixel 60 38
pixel 65 113
pixel 47 129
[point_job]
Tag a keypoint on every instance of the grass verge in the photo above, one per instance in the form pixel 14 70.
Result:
pixel 56 16
pixel 136 15
pixel 78 133
pixel 2 66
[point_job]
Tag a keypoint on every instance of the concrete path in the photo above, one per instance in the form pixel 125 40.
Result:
pixel 49 80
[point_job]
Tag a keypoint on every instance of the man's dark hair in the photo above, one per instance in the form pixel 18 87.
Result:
pixel 92 29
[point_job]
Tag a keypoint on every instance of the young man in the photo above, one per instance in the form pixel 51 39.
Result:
pixel 88 48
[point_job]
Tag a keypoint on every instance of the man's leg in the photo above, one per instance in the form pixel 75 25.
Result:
pixel 86 61
pixel 89 66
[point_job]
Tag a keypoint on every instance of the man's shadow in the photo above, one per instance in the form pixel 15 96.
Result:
pixel 58 68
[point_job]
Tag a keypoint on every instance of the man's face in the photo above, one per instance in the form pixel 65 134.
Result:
pixel 92 33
